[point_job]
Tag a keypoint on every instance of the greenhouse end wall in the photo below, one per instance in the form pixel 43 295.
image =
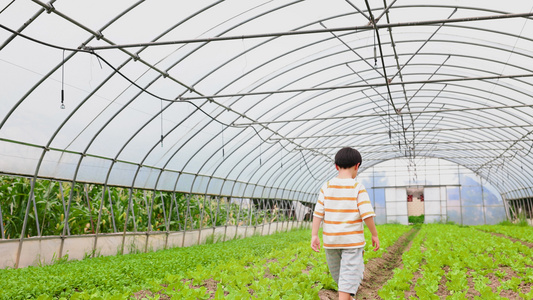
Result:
pixel 451 193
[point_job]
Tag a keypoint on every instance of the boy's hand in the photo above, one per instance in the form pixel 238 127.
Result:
pixel 315 243
pixel 375 242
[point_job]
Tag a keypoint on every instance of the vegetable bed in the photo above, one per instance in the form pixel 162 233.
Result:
pixel 435 261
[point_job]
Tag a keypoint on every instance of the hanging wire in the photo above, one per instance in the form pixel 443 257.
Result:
pixel 309 169
pixel 179 99
pixel 63 82
pixel 375 52
pixel 7 6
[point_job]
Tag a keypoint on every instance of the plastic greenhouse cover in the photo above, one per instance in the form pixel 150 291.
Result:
pixel 253 98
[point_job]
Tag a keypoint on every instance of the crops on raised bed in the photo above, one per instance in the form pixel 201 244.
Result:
pixel 524 233
pixel 148 210
pixel 441 262
pixel 266 265
pixel 456 262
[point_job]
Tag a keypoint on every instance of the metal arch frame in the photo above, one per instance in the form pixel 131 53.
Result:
pixel 507 87
pixel 190 159
pixel 47 147
pixel 139 129
pixel 458 128
pixel 503 15
pixel 223 88
pixel 43 152
pixel 421 112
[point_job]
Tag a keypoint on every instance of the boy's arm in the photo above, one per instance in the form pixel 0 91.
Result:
pixel 315 241
pixel 372 227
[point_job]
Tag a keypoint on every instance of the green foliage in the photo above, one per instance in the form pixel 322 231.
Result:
pixel 524 233
pixel 122 275
pixel 416 219
pixel 457 249
pixel 280 266
pixel 149 210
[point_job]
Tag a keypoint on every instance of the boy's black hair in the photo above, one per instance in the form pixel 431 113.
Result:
pixel 348 157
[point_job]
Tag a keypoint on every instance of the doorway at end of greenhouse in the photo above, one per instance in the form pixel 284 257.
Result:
pixel 415 205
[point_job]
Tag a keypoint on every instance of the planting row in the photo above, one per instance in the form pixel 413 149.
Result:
pixel 259 266
pixel 121 275
pixel 92 208
pixel 524 233
pixel 462 263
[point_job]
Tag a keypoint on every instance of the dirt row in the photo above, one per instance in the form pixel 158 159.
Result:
pixel 379 270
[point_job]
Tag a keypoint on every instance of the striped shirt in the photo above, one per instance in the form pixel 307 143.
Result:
pixel 343 204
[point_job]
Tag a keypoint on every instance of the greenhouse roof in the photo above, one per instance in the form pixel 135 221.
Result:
pixel 254 98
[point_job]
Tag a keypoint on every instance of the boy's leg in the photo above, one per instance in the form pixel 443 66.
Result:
pixel 345 296
pixel 351 271
pixel 333 257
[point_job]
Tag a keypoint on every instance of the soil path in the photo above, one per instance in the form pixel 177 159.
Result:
pixel 378 270
pixel 530 245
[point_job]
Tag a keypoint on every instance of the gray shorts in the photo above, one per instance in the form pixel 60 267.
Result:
pixel 346 267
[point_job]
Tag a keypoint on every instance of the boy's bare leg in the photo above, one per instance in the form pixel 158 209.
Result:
pixel 345 296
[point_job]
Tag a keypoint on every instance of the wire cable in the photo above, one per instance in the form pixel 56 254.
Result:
pixel 179 99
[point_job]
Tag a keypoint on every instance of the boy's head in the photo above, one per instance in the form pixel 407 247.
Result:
pixel 348 157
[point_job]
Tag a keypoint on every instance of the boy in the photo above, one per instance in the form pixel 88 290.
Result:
pixel 343 204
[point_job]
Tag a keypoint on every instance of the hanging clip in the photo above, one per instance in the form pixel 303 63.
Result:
pixel 63 82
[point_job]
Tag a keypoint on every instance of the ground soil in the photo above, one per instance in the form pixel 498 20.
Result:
pixel 379 270
pixel 530 245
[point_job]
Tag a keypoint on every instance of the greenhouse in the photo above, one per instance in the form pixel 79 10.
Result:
pixel 134 127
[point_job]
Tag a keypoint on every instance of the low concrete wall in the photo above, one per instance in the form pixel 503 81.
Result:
pixel 36 251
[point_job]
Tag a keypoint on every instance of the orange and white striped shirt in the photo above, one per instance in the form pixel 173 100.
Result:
pixel 343 204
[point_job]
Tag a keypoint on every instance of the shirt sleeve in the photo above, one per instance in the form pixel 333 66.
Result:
pixel 319 207
pixel 363 203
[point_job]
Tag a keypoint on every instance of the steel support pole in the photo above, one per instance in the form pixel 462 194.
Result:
pixel 484 207
pixel 263 212
pixel 111 209
pixel 169 219
pixel 149 229
pixel 62 193
pixel 25 222
pixel 250 213
pixel 2 224
pixel 36 214
pixel 215 219
pixel 164 210
pixel 177 210
pixel 126 220
pixel 228 208
pixel 201 219
pixel 100 210
pixel 313 31
pixel 86 189
pixel 66 229
pixel 238 219
pixel 187 213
